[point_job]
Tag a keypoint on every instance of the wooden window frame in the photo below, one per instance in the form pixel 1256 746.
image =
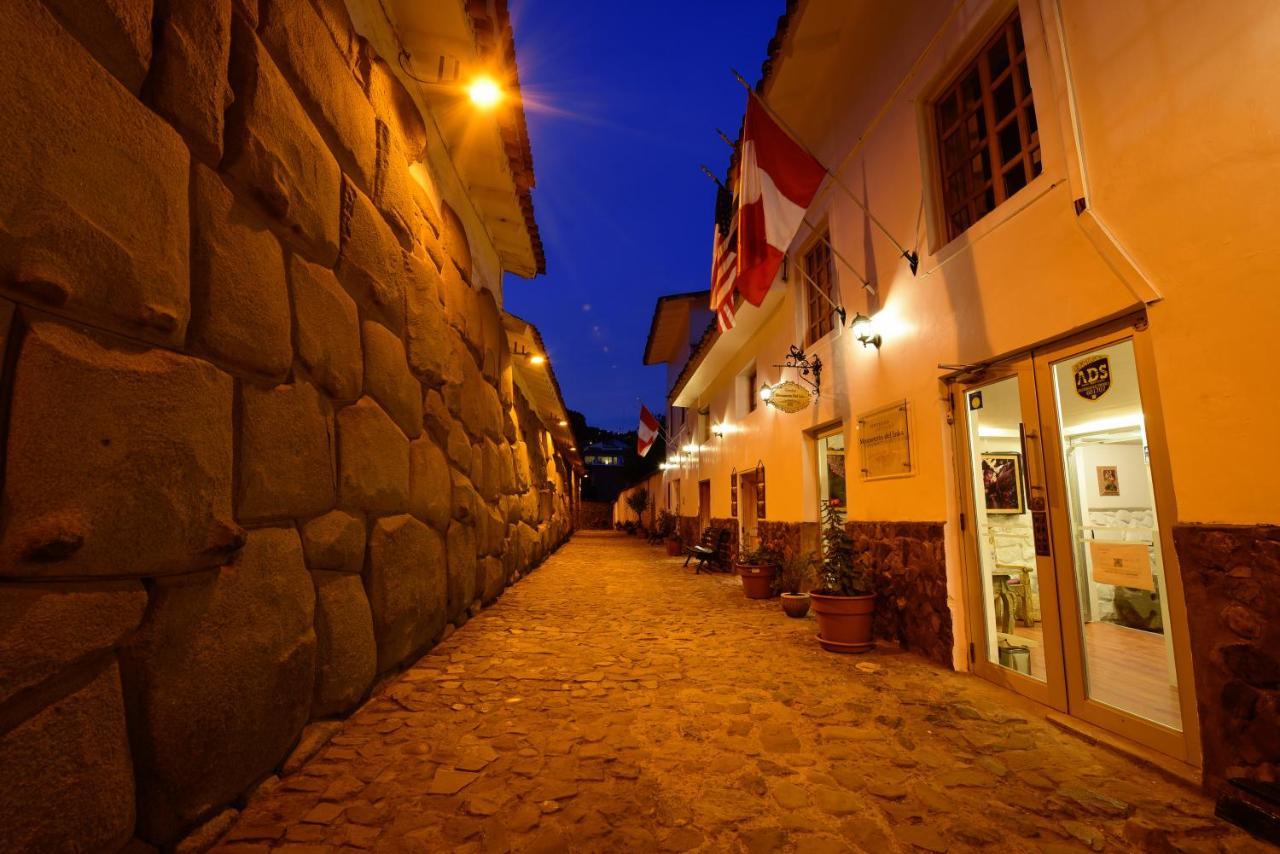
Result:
pixel 753 401
pixel 819 316
pixel 967 193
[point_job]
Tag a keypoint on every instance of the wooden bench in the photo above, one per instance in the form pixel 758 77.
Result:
pixel 712 553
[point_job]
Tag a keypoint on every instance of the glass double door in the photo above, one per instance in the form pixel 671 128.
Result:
pixel 1072 585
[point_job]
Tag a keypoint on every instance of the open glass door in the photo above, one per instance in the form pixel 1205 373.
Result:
pixel 1122 606
pixel 1012 584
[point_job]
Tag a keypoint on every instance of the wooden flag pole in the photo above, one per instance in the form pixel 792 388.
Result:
pixel 913 260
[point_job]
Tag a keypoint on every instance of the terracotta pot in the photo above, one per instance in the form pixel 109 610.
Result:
pixel 757 581
pixel 795 605
pixel 844 622
pixel 673 548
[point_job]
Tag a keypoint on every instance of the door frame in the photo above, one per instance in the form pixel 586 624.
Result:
pixel 1184 744
pixel 1052 691
pixel 1064 642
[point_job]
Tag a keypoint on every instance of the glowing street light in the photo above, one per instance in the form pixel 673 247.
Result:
pixel 537 360
pixel 485 92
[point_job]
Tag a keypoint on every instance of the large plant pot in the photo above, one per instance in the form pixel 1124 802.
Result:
pixel 673 548
pixel 844 622
pixel 757 581
pixel 795 605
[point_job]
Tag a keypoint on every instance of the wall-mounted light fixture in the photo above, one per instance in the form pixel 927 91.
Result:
pixel 864 329
pixel 485 92
pixel 691 448
pixel 563 423
pixel 766 392
pixel 537 360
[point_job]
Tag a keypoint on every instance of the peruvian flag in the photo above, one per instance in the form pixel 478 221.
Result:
pixel 777 179
pixel 646 432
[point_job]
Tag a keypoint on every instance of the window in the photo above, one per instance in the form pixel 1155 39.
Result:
pixel 988 138
pixel 819 290
pixel 752 399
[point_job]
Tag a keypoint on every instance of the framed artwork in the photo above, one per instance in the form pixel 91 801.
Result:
pixel 1002 483
pixel 1108 481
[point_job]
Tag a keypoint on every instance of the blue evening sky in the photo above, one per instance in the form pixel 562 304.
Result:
pixel 623 101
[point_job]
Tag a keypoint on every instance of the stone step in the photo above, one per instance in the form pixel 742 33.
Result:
pixel 1253 805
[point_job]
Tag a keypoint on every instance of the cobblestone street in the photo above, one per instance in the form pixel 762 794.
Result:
pixel 615 701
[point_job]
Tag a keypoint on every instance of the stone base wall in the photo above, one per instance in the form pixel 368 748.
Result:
pixel 908 561
pixel 730 525
pixel 790 538
pixel 261 441
pixel 1231 577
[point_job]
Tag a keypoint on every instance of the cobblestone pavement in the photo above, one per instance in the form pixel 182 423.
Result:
pixel 614 701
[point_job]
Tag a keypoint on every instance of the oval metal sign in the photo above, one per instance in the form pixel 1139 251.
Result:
pixel 790 396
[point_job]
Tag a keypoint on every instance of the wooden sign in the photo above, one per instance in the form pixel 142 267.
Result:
pixel 790 397
pixel 1093 377
pixel 1121 564
pixel 884 442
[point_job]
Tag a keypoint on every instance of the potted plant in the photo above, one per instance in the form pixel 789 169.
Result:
pixel 667 531
pixel 793 575
pixel 758 568
pixel 844 600
pixel 638 501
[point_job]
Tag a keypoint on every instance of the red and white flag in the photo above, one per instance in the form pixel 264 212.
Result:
pixel 777 179
pixel 647 432
pixel 724 272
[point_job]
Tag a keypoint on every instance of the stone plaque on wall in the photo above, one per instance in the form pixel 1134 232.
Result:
pixel 884 442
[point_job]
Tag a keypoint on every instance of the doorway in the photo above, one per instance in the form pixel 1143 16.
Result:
pixel 1073 590
pixel 704 505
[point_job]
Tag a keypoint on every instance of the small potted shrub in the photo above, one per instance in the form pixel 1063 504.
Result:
pixel 794 573
pixel 758 568
pixel 844 600
pixel 667 531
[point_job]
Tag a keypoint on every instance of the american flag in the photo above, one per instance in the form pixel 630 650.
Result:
pixel 724 261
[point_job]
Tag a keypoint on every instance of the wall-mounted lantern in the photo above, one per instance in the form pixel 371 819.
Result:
pixel 864 329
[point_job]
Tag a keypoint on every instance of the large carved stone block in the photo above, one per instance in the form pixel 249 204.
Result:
pixel 428 334
pixel 373 454
pixel 371 267
pixel 406 581
pixel 334 542
pixel 430 484
pixel 95 231
pixel 189 86
pixel 462 567
pixel 328 329
pixel 69 777
pixel 239 299
pixel 388 380
pixel 275 150
pixel 346 653
pixel 116 32
pixel 286 452
pixel 394 188
pixel 305 51
pixel 46 627
pixel 492 578
pixel 221 681
pixel 436 416
pixel 149 424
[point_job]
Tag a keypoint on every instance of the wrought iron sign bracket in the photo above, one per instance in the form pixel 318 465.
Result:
pixel 806 367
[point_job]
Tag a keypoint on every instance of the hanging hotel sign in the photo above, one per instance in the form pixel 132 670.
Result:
pixel 1093 377
pixel 790 396
pixel 1121 564
pixel 884 442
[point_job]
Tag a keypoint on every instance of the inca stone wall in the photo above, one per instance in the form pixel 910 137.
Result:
pixel 908 562
pixel 261 441
pixel 1231 576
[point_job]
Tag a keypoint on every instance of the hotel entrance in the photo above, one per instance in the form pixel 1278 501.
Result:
pixel 1073 591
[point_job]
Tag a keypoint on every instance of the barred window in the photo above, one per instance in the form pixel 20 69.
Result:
pixel 988 138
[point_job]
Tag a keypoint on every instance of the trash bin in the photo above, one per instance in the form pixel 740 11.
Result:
pixel 1015 658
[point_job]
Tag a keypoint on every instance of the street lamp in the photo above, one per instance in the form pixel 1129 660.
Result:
pixel 485 92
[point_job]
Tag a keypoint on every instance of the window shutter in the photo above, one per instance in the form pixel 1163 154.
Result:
pixel 760 491
pixel 733 493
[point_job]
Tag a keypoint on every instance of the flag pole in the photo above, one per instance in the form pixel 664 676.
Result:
pixel 913 260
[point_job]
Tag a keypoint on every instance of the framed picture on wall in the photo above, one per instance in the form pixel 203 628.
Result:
pixel 1108 481
pixel 1002 483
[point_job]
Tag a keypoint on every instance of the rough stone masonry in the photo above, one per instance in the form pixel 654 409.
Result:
pixel 261 441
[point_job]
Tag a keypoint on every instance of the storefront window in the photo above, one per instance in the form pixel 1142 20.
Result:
pixel 831 470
